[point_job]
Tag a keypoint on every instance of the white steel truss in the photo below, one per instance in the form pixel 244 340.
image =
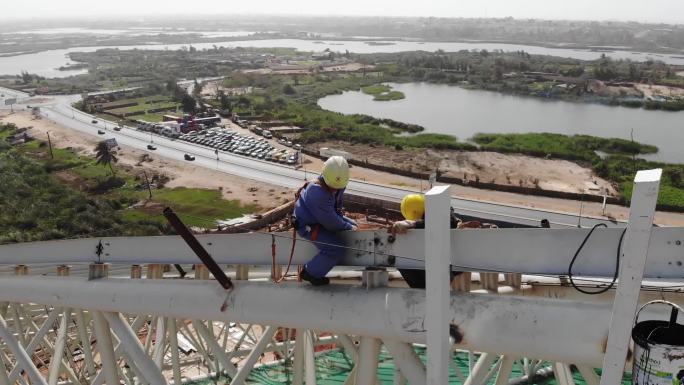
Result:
pixel 100 329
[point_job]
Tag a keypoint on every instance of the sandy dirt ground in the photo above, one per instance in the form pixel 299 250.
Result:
pixel 182 174
pixel 680 73
pixel 268 196
pixel 666 91
pixel 489 167
pixel 348 67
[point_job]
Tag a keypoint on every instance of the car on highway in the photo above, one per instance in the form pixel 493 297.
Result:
pixel 189 157
pixel 297 146
pixel 93 121
pixel 151 147
pixel 100 132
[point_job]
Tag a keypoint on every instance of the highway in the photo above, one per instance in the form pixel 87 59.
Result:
pixel 60 111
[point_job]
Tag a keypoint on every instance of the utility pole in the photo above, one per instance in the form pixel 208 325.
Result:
pixel 52 156
pixel 149 188
pixel 631 135
pixel 579 217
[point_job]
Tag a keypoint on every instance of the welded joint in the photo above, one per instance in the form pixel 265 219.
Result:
pixel 374 277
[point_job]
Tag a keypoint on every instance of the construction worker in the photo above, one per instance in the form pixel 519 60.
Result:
pixel 413 211
pixel 318 217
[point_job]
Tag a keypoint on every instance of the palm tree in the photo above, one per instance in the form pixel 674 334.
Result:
pixel 105 156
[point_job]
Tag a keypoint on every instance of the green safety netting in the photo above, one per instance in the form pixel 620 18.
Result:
pixel 333 368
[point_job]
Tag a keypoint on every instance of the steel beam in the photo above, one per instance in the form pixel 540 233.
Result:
pixel 244 371
pixel 635 253
pixel 20 354
pixel 479 373
pixel 539 324
pixel 437 288
pixel 298 364
pixel 220 354
pixel 407 361
pixel 173 342
pixel 533 251
pixel 367 366
pixel 37 339
pixel 58 353
pixel 134 349
pixel 106 349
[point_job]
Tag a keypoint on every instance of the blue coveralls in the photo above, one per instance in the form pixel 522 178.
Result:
pixel 317 205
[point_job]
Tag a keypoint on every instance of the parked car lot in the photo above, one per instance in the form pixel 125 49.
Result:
pixel 242 144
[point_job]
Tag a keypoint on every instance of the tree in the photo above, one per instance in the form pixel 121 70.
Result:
pixel 26 77
pixel 224 101
pixel 105 156
pixel 188 104
pixel 289 90
pixel 676 177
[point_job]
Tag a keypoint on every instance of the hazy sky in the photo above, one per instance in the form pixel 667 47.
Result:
pixel 639 10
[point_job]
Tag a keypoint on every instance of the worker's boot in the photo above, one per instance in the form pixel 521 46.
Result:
pixel 306 276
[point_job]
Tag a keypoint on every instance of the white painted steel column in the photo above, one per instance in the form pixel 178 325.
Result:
pixel 635 252
pixel 309 358
pixel 131 344
pixel 159 342
pixel 4 379
pixel 137 324
pixel 20 354
pixel 173 342
pixel 37 338
pixel 407 361
pixel 369 350
pixel 348 346
pixel 242 374
pixel 220 354
pixel 504 370
pixel 85 342
pixel 104 345
pixel 479 373
pixel 58 353
pixel 438 259
pixel 298 366
pixel 98 271
pixel 563 374
pixel 589 375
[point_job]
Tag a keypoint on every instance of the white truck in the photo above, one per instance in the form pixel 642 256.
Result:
pixel 172 129
pixel 326 152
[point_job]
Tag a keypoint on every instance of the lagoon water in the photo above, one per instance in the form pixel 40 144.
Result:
pixel 460 112
pixel 46 63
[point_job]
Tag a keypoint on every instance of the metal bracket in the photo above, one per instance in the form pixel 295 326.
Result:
pixel 99 249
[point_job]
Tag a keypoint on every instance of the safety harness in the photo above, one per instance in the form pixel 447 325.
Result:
pixel 315 229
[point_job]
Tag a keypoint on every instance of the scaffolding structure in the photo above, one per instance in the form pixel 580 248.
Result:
pixel 104 328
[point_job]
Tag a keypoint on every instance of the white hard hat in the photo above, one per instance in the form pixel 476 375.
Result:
pixel 336 172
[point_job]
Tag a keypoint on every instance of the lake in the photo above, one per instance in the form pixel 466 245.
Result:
pixel 460 112
pixel 46 63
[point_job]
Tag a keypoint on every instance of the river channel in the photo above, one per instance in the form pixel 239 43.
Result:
pixel 460 112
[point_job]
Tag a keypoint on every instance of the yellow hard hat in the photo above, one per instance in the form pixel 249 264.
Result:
pixel 336 172
pixel 413 206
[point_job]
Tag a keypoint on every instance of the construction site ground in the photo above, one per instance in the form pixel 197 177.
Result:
pixel 268 196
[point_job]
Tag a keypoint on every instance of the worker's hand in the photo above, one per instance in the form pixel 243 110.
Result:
pixel 402 227
pixel 354 228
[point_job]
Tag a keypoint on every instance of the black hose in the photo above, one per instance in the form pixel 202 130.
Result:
pixel 617 262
